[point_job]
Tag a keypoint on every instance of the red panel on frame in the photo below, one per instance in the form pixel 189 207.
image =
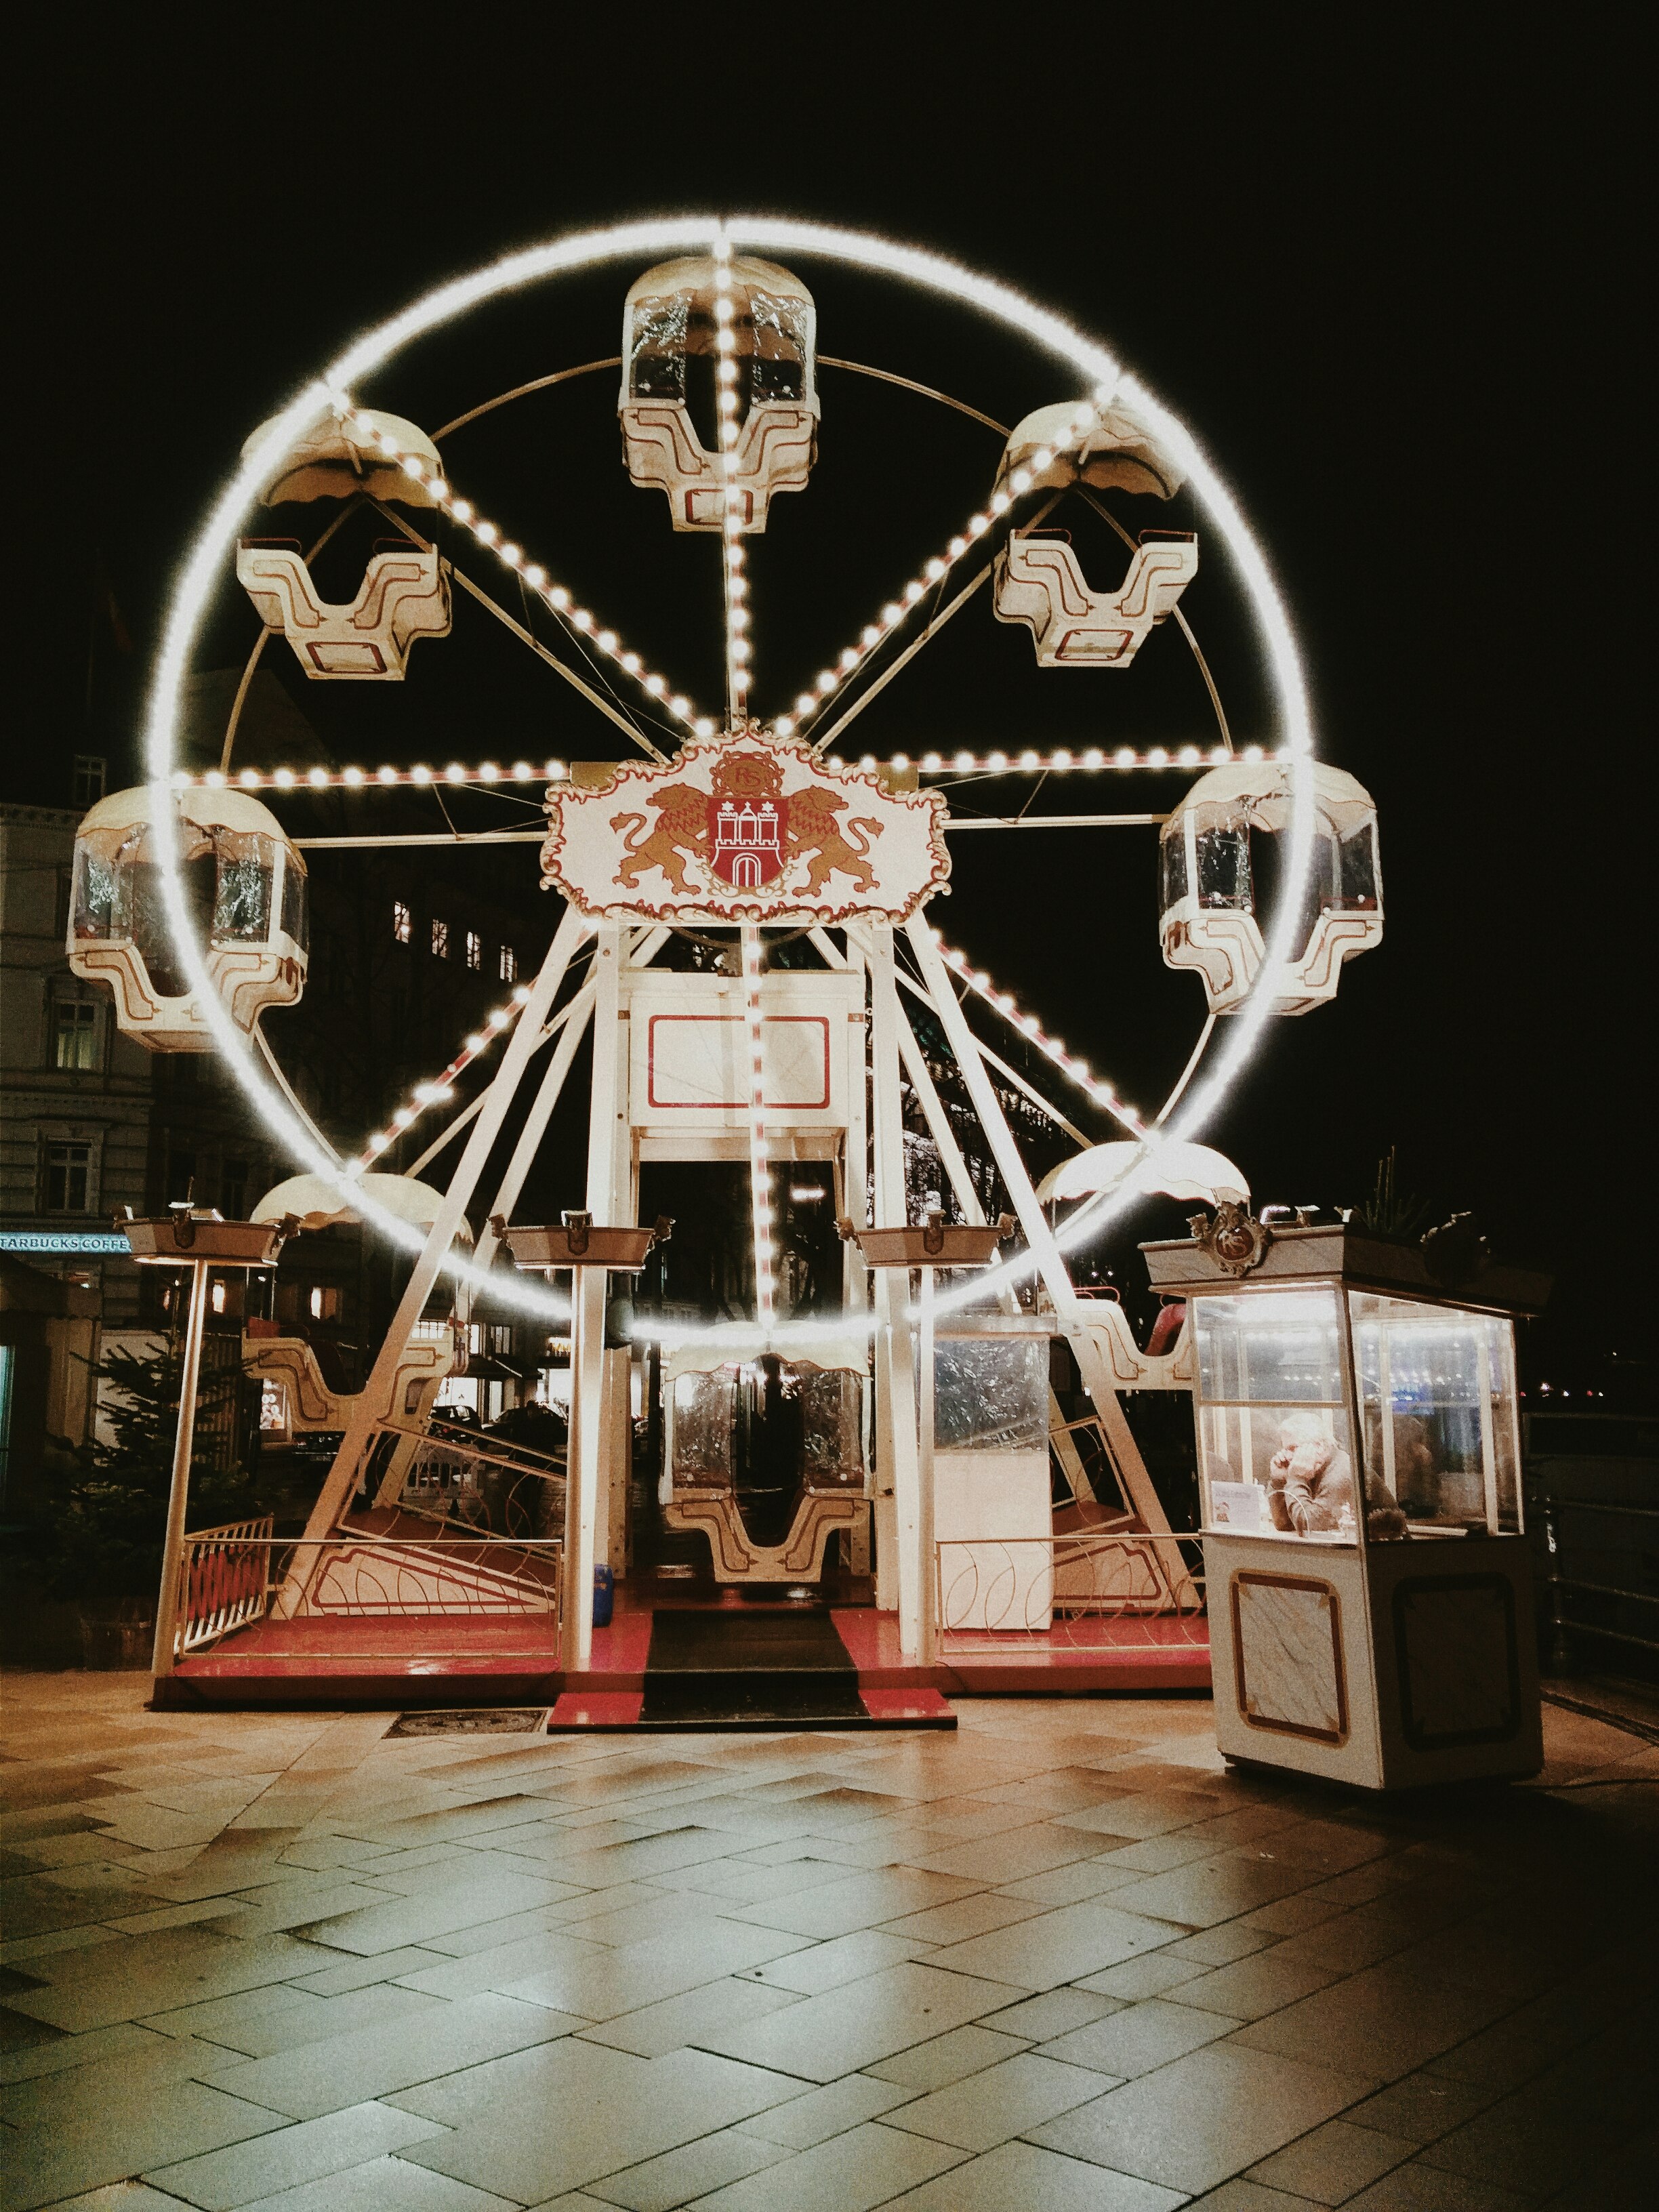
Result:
pixel 817 1105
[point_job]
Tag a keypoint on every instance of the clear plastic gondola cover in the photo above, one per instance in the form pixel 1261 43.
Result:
pixel 245 889
pixel 1223 854
pixel 670 384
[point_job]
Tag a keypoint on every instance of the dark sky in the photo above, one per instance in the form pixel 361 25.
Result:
pixel 1383 281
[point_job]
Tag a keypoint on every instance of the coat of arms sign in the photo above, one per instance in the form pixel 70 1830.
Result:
pixel 744 828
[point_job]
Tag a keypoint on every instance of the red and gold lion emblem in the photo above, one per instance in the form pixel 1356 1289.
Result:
pixel 744 828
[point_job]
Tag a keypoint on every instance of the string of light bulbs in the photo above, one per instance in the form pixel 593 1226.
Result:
pixel 490 774
pixel 368 432
pixel 1076 1071
pixel 898 609
pixel 733 559
pixel 1061 762
pixel 440 1088
pixel 487 773
pixel 760 1174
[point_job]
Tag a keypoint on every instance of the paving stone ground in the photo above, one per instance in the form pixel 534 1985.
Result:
pixel 1063 1959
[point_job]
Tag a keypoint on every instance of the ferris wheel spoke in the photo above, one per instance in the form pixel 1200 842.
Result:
pixel 613 712
pixel 522 392
pixel 1027 1089
pixel 440 1089
pixel 266 635
pixel 1182 622
pixel 531 575
pixel 1076 1071
pixel 880 683
pixel 875 634
pixel 552 659
pixel 935 627
pixel 295 1106
pixel 1186 1073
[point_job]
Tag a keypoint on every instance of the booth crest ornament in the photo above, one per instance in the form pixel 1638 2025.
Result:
pixel 745 829
pixel 1231 1237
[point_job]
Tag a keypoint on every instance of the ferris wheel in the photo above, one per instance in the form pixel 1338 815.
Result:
pixel 740 821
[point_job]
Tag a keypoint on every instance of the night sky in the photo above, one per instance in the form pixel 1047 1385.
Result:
pixel 1382 285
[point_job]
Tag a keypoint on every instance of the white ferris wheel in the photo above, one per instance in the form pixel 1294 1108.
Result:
pixel 745 819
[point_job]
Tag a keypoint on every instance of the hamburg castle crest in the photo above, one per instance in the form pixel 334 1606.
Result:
pixel 747 820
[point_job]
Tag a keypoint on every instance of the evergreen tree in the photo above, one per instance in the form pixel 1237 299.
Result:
pixel 107 1509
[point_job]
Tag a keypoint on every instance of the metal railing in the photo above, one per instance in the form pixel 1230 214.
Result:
pixel 1078 1592
pixel 229 1577
pixel 454 1474
pixel 1609 1598
pixel 221 1582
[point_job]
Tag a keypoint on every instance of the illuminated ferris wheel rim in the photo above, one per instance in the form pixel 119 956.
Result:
pixel 203 570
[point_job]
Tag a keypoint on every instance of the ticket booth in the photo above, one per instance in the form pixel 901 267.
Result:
pixel 1369 1587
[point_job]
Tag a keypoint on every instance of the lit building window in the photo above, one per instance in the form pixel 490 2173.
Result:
pixel 90 772
pixel 316 1302
pixel 75 1042
pixel 402 927
pixel 474 949
pixel 68 1171
pixel 216 1298
pixel 441 940
pixel 509 964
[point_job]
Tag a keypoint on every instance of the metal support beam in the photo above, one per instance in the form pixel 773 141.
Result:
pixel 607 1181
pixel 372 1404
pixel 1096 1372
pixel 173 1546
pixel 895 1346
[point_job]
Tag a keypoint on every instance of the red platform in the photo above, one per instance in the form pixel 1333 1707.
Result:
pixel 460 1661
pixel 406 1662
pixel 1074 1658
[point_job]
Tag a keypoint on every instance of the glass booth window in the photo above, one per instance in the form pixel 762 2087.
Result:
pixel 991 1394
pixel 657 348
pixel 1437 1402
pixel 1275 1446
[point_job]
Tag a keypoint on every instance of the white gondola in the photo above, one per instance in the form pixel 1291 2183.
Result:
pixel 1118 453
pixel 245 882
pixel 729 1386
pixel 404 592
pixel 669 346
pixel 330 462
pixel 1040 582
pixel 1212 853
pixel 1171 1168
pixel 1039 579
pixel 306 1401
pixel 309 1201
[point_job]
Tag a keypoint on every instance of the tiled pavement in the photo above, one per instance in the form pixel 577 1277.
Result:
pixel 1060 1959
